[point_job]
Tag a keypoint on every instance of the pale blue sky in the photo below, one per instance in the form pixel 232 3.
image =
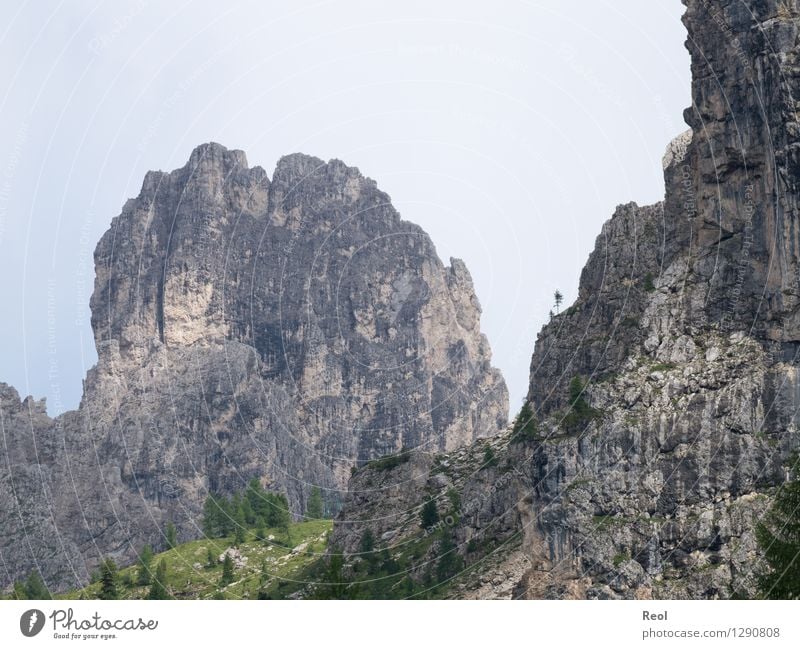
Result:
pixel 508 130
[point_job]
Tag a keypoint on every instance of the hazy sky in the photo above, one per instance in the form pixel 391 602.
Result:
pixel 508 130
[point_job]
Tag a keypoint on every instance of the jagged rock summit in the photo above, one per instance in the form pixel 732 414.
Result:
pixel 666 397
pixel 287 329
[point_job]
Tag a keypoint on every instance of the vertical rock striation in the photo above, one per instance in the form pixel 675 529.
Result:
pixel 287 329
pixel 667 395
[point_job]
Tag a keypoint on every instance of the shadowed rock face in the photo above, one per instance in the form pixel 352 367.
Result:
pixel 287 329
pixel 685 335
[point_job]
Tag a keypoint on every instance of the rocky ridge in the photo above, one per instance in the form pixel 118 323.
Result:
pixel 666 396
pixel 286 328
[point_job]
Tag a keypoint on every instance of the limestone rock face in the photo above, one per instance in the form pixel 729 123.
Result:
pixel 287 329
pixel 685 339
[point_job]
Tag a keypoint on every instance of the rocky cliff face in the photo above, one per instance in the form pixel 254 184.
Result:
pixel 666 396
pixel 288 329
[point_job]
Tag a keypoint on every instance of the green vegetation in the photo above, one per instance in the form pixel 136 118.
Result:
pixel 256 507
pixel 602 523
pixel 158 590
pixel 525 427
pixel 580 413
pixel 109 587
pixel 144 575
pixel 455 499
pixel 377 573
pixel 334 585
pixel 367 545
pixel 314 507
pixel 558 298
pixel 192 570
pixel 620 558
pixel 33 588
pixel 577 484
pixel 227 571
pixel 391 461
pixel 649 286
pixel 171 535
pixel 662 367
pixel 489 458
pixel 450 562
pixel 429 515
pixel 778 536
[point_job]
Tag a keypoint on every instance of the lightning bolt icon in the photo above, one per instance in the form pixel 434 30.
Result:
pixel 32 620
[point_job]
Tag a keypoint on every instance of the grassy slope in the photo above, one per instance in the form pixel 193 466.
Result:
pixel 185 580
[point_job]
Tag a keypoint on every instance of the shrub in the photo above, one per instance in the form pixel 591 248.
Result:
pixel 649 286
pixel 391 461
pixel 525 425
pixel 580 413
pixel 778 536
pixel 428 515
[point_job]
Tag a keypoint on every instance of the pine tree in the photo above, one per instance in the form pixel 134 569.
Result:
pixel 256 497
pixel 172 535
pixel 580 412
pixel 143 573
pixel 240 536
pixel 525 425
pixel 34 587
pixel 558 300
pixel 247 512
pixel 213 524
pixel 239 521
pixel 261 531
pixel 429 515
pixel 19 590
pixel 450 562
pixel 367 544
pixel 455 500
pixel 334 583
pixel 225 516
pixel 778 535
pixel 263 582
pixel 367 548
pixel 211 559
pixel 108 580
pixel 281 518
pixel 227 571
pixel 159 588
pixel 314 506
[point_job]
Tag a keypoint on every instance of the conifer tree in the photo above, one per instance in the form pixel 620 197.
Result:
pixel 281 518
pixel 257 498
pixel 450 562
pixel 335 586
pixel 171 535
pixel 212 517
pixel 429 515
pixel 778 535
pixel 143 573
pixel 34 587
pixel 158 590
pixel 261 531
pixel 227 571
pixel 525 425
pixel 314 506
pixel 558 298
pixel 109 588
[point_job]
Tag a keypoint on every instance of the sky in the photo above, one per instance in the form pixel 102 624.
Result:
pixel 508 130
